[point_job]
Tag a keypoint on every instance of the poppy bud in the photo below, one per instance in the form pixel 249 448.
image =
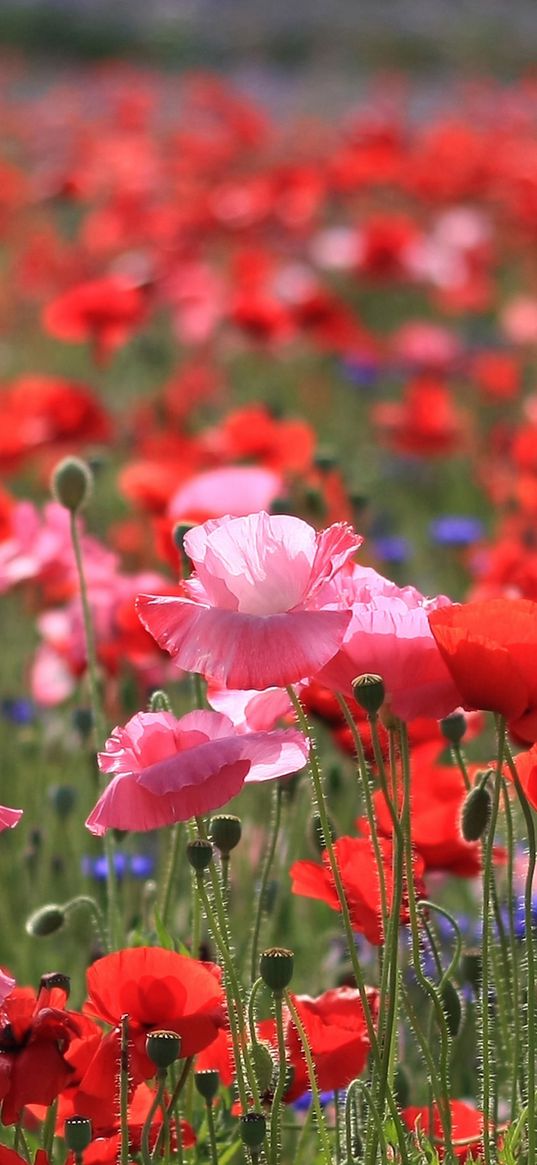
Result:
pixel 55 979
pixel 225 831
pixel 83 722
pixel 47 920
pixel 77 1133
pixel 317 832
pixel 159 702
pixel 276 968
pixel 263 1066
pixel 281 506
pixel 401 1087
pixel 453 727
pixel 207 1082
pixel 63 799
pixel 72 482
pixel 476 813
pixel 472 968
pixel 178 534
pixel 199 854
pixel 163 1048
pixel 369 692
pixel 253 1127
pixel 325 458
pixel 452 1008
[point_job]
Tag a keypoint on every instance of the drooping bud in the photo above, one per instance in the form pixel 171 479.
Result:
pixel 207 1082
pixel 264 1066
pixel 276 968
pixel 451 1005
pixel 369 692
pixel 77 1133
pixel 47 920
pixel 159 702
pixel 476 812
pixel 453 727
pixel 225 831
pixel 317 832
pixel 200 854
pixel 63 799
pixel 72 483
pixel 163 1048
pixel 253 1127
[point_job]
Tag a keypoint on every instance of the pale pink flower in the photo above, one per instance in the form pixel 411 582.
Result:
pixel 233 489
pixel 40 550
pixel 251 711
pixel 261 609
pixel 167 770
pixel 389 635
pixel 9 817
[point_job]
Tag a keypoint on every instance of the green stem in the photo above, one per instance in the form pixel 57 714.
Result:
pixel 124 1090
pixel 267 865
pixel 347 923
pixel 486 985
pixel 212 1135
pixel 316 1100
pixel 518 1069
pixel 49 1128
pixel 99 731
pixel 531 985
pixel 277 1099
pixel 158 1100
pixel 175 838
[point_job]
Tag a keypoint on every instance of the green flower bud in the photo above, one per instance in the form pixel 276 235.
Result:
pixel 452 1008
pixel 207 1083
pixel 225 831
pixel 476 813
pixel 369 692
pixel 317 833
pixel 163 1048
pixel 276 968
pixel 72 483
pixel 63 799
pixel 199 854
pixel 253 1127
pixel 77 1133
pixel 159 702
pixel 453 727
pixel 264 1066
pixel 47 920
pixel 325 458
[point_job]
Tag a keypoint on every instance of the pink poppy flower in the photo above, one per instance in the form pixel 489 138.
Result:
pixel 9 817
pixel 7 984
pixel 233 489
pixel 261 609
pixel 166 770
pixel 389 635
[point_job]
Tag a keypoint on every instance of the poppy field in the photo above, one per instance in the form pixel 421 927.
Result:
pixel 268 602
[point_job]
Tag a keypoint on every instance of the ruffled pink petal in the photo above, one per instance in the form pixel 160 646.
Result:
pixel 9 817
pixel 396 644
pixel 335 546
pixel 251 711
pixel 264 561
pixel 275 754
pixel 243 651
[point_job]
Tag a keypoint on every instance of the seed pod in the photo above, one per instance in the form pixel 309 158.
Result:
pixel 369 692
pixel 225 831
pixel 163 1048
pixel 199 854
pixel 453 727
pixel 77 1133
pixel 253 1127
pixel 207 1082
pixel 72 482
pixel 276 968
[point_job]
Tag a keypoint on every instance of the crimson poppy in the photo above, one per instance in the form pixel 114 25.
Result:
pixel 35 1034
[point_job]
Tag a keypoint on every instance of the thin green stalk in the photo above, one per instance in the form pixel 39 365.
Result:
pixel 303 1136
pixel 267 865
pixel 531 986
pixel 425 983
pixel 124 1090
pixel 519 1070
pixel 99 731
pixel 49 1128
pixel 360 982
pixel 326 1149
pixel 275 1115
pixel 170 1108
pixel 158 1100
pixel 359 1086
pixel 212 1134
pixel 489 1149
pixel 175 839
pixel 459 757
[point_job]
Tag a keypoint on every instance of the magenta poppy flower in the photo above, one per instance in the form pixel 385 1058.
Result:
pixel 261 609
pixel 167 770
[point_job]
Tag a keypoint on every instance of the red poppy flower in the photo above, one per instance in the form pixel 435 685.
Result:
pixel 337 1037
pixel 104 312
pixel 425 423
pixel 157 989
pixel 489 648
pixel 358 869
pixel 467 1125
pixel 35 1033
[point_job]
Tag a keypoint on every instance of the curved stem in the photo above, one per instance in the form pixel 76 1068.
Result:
pixel 267 865
pixel 323 1134
pixel 486 985
pixel 280 1083
pixel 158 1100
